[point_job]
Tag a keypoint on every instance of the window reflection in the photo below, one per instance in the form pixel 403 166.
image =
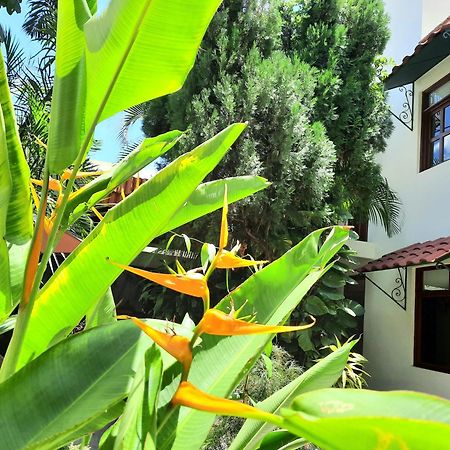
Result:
pixel 436 124
pixel 436 280
pixel 440 93
pixel 447 118
pixel 447 147
pixel 436 153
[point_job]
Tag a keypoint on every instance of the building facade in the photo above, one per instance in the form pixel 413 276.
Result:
pixel 407 301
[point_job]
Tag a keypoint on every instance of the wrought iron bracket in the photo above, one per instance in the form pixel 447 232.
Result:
pixel 406 115
pixel 398 293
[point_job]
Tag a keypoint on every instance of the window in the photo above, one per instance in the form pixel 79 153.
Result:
pixel 436 124
pixel 432 319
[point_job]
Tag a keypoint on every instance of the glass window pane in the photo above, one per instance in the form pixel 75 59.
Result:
pixel 436 153
pixel 447 147
pixel 436 124
pixel 447 118
pixel 436 280
pixel 440 93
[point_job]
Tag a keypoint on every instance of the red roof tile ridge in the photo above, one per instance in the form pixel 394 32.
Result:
pixel 443 26
pixel 411 255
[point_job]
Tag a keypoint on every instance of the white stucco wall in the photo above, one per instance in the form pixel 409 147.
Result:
pixel 433 13
pixel 389 330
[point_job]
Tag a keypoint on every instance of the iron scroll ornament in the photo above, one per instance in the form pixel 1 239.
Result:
pixel 406 115
pixel 398 293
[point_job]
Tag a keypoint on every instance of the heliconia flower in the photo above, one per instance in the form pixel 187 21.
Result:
pixel 188 395
pixel 223 239
pixel 177 346
pixel 228 260
pixel 97 213
pixel 48 225
pixel 221 324
pixel 33 258
pixel 193 284
pixel 53 184
pixel 68 172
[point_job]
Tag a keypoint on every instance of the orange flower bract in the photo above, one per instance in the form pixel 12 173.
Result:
pixel 177 346
pixel 228 260
pixel 221 324
pixel 188 395
pixel 193 284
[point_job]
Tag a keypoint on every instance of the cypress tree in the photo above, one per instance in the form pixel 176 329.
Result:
pixel 242 74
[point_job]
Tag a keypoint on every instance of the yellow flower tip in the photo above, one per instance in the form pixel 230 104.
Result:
pixel 218 323
pixel 228 260
pixel 188 395
pixel 68 173
pixel 223 239
pixel 53 184
pixel 177 346
pixel 193 284
pixel 48 225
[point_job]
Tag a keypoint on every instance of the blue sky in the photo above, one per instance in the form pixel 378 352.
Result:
pixel 107 131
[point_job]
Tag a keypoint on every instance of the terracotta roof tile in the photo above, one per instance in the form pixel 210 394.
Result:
pixel 413 255
pixel 128 187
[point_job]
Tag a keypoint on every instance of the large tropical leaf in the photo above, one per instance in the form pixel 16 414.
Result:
pixel 322 375
pixel 5 191
pixel 137 427
pixel 67 124
pixel 69 386
pixel 126 229
pixel 17 256
pixel 19 221
pixel 208 197
pixel 332 418
pixel 103 312
pixel 272 294
pixel 136 50
pixel 90 194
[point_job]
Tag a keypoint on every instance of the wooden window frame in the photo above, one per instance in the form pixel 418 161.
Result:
pixel 426 153
pixel 421 294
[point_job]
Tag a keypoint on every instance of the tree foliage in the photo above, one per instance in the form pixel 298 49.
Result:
pixel 303 74
pixel 11 5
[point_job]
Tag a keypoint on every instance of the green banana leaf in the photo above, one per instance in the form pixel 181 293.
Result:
pixel 70 386
pixel 90 194
pixel 136 50
pixel 19 220
pixel 137 426
pixel 281 440
pixel 8 324
pixel 17 255
pixel 322 375
pixel 67 125
pixel 5 191
pixel 208 197
pixel 333 418
pixel 126 229
pixel 103 312
pixel 272 294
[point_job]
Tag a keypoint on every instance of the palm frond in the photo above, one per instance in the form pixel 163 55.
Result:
pixel 131 116
pixel 14 55
pixel 386 208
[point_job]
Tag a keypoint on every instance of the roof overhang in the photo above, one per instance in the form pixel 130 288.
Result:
pixel 417 254
pixel 430 51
